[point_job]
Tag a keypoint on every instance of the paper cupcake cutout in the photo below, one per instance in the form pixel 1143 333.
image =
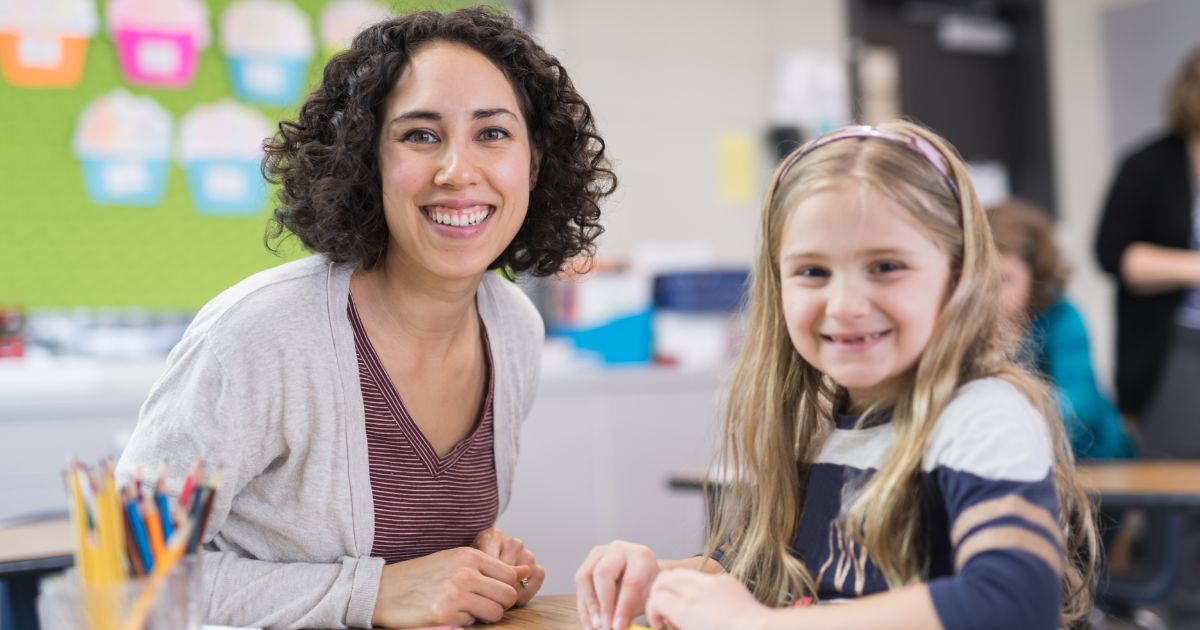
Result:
pixel 124 143
pixel 43 42
pixel 266 65
pixel 220 146
pixel 341 20
pixel 158 41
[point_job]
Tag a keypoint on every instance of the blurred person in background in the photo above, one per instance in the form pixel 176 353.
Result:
pixel 1056 337
pixel 1149 241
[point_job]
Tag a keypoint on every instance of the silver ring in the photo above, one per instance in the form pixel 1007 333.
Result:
pixel 524 582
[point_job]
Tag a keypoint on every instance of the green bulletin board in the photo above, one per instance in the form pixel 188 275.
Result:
pixel 60 249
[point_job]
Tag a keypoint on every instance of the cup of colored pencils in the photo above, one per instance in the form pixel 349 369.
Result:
pixel 137 552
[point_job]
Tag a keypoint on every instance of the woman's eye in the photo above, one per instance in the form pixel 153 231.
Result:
pixel 420 136
pixel 886 267
pixel 493 133
pixel 811 272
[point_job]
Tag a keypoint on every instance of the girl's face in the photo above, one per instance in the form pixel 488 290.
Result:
pixel 455 160
pixel 862 288
pixel 1016 286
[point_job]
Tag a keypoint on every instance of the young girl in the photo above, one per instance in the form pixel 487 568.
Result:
pixel 889 452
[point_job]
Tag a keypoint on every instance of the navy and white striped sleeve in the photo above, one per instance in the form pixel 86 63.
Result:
pixel 991 459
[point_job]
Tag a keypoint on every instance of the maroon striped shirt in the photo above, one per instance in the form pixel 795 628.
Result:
pixel 423 503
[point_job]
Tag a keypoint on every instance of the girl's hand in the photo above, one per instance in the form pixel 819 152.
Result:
pixel 612 584
pixel 455 587
pixel 691 600
pixel 512 552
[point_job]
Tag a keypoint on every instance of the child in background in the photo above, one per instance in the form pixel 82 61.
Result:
pixel 1034 277
pixel 889 451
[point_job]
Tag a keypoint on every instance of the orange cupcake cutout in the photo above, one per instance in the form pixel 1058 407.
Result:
pixel 43 43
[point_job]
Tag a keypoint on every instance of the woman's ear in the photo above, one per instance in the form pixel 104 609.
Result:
pixel 535 165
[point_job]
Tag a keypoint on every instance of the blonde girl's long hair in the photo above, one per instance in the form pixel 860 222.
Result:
pixel 779 408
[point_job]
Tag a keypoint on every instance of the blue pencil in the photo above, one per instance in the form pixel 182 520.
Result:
pixel 164 512
pixel 139 534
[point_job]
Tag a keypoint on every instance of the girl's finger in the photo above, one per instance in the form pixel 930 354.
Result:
pixel 606 578
pixel 585 591
pixel 661 607
pixel 635 588
pixel 582 609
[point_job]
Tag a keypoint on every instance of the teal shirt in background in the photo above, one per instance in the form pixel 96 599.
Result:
pixel 1058 343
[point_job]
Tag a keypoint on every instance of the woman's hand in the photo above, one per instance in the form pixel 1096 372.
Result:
pixel 512 552
pixel 455 587
pixel 691 600
pixel 612 584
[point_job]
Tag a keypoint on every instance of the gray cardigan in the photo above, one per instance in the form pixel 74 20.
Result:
pixel 264 384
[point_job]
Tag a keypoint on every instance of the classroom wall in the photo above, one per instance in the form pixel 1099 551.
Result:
pixel 1138 68
pixel 1082 160
pixel 666 80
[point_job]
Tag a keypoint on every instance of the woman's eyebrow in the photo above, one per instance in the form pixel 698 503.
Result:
pixel 416 114
pixel 425 114
pixel 492 111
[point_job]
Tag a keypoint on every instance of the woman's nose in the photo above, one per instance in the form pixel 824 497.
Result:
pixel 456 168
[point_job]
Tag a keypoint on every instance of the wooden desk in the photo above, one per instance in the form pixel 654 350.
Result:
pixel 544 611
pixel 1144 483
pixel 37 546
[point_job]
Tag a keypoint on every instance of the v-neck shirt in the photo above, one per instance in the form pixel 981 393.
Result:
pixel 424 503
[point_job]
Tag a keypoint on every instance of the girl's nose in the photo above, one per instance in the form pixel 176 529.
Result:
pixel 847 300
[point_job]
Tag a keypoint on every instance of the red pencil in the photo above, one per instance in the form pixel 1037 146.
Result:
pixel 185 495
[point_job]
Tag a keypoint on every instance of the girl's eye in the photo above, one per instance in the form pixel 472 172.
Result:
pixel 886 267
pixel 420 136
pixel 811 272
pixel 493 133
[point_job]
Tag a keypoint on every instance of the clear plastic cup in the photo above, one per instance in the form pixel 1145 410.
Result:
pixel 65 603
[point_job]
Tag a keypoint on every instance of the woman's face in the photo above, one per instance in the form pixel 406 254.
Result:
pixel 456 163
pixel 1016 287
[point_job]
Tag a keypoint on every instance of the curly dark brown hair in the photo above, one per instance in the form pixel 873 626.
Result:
pixel 326 161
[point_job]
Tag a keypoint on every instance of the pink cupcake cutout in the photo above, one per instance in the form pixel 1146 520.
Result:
pixel 43 43
pixel 158 41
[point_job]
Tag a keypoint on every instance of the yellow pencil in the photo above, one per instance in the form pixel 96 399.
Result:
pixel 114 527
pixel 79 512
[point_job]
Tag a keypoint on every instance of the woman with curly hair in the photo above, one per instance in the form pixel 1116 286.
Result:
pixel 365 402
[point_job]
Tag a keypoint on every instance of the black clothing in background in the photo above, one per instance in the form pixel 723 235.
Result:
pixel 1150 201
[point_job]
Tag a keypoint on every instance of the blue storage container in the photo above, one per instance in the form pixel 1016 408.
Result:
pixel 715 291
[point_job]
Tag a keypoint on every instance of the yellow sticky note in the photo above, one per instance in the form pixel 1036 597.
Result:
pixel 736 165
